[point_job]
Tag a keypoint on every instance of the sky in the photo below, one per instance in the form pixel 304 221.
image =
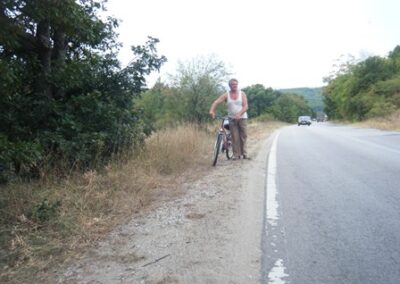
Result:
pixel 276 43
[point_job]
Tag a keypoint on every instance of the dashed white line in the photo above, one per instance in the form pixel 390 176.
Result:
pixel 272 204
pixel 277 274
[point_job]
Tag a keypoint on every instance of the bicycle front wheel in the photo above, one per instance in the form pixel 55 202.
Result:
pixel 217 149
pixel 229 149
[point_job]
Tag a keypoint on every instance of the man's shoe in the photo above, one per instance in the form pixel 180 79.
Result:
pixel 246 157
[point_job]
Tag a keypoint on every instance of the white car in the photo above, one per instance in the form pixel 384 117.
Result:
pixel 304 120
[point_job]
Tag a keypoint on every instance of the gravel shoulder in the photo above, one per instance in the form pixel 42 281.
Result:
pixel 209 234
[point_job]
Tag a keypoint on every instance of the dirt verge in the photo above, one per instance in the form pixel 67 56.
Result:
pixel 209 234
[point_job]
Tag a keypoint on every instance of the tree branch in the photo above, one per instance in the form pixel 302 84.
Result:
pixel 14 38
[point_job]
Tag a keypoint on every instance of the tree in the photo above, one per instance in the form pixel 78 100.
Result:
pixel 394 57
pixel 64 95
pixel 366 89
pixel 370 71
pixel 154 106
pixel 260 99
pixel 44 34
pixel 197 83
pixel 288 107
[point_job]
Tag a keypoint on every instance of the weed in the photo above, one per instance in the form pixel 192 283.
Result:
pixel 45 210
pixel 389 122
pixel 46 221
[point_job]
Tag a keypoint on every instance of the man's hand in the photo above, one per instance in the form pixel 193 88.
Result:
pixel 237 116
pixel 212 114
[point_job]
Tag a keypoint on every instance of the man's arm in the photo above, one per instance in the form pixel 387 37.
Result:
pixel 214 105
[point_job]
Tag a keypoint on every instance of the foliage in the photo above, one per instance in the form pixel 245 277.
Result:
pixel 64 95
pixel 313 96
pixel 45 211
pixel 288 107
pixel 260 99
pixel 370 88
pixel 188 95
pixel 196 84
pixel 284 106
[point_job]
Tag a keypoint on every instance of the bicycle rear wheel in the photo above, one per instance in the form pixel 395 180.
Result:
pixel 229 149
pixel 217 149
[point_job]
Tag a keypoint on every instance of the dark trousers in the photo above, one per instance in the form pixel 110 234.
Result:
pixel 238 130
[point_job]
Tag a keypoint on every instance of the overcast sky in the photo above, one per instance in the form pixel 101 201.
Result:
pixel 277 43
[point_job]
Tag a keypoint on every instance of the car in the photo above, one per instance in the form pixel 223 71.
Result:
pixel 304 120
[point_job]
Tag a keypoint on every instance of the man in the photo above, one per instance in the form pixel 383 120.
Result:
pixel 236 102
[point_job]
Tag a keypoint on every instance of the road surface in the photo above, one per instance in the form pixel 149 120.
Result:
pixel 337 190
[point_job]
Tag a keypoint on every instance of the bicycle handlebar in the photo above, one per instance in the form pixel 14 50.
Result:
pixel 222 117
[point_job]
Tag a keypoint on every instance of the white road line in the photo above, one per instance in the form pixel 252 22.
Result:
pixel 277 274
pixel 272 204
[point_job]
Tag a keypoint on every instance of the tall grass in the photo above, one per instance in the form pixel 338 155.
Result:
pixel 47 221
pixel 173 151
pixel 389 122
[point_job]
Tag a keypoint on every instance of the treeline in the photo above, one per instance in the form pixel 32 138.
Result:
pixel 277 105
pixel 313 96
pixel 66 102
pixel 366 89
pixel 64 96
pixel 187 97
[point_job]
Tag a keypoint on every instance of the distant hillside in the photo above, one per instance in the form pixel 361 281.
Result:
pixel 312 95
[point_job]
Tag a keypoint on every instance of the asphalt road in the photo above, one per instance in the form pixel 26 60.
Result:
pixel 338 207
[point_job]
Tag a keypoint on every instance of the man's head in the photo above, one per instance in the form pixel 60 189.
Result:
pixel 233 84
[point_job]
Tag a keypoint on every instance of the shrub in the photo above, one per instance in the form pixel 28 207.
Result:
pixel 45 211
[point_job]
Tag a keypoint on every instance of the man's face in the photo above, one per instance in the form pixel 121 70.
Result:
pixel 233 85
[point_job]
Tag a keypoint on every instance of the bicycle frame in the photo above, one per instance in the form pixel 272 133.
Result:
pixel 223 130
pixel 223 142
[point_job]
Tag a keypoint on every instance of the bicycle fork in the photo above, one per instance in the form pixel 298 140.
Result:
pixel 226 140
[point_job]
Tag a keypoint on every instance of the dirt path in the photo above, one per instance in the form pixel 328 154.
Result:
pixel 210 234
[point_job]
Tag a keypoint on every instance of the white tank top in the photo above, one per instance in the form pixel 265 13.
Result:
pixel 234 106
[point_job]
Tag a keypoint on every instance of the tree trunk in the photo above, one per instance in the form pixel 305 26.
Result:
pixel 44 54
pixel 59 54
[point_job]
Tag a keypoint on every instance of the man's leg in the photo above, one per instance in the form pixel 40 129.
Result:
pixel 243 136
pixel 234 128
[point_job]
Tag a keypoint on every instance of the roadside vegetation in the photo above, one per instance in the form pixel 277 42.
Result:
pixel 84 143
pixel 52 220
pixel 46 221
pixel 387 122
pixel 364 91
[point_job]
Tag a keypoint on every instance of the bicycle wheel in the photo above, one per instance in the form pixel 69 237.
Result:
pixel 229 149
pixel 217 149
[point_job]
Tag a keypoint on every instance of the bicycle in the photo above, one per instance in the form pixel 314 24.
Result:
pixel 223 142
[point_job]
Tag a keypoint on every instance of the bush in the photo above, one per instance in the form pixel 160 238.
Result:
pixel 18 157
pixel 45 211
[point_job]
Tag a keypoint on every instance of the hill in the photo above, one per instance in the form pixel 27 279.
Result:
pixel 312 95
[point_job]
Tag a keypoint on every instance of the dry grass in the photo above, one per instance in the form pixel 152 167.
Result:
pixel 34 236
pixel 259 129
pixel 93 203
pixel 173 151
pixel 390 122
